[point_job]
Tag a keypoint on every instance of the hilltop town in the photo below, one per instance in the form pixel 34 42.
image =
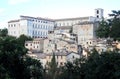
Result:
pixel 68 38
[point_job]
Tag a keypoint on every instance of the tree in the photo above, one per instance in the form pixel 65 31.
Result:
pixel 52 71
pixel 3 32
pixel 15 63
pixel 4 73
pixel 103 30
pixel 35 68
pixel 96 66
pixel 23 38
pixel 73 70
pixel 103 66
pixel 71 30
pixel 115 23
pixel 115 14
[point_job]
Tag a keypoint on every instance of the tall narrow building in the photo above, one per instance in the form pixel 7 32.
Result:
pixel 99 13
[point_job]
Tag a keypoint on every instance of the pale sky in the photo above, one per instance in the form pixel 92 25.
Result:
pixel 54 9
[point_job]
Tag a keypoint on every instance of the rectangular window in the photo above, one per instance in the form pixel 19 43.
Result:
pixel 61 57
pixel 61 63
pixel 26 44
pixel 49 57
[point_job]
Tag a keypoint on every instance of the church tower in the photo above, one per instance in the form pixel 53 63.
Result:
pixel 99 13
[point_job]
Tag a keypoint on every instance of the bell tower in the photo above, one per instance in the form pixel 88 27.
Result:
pixel 99 13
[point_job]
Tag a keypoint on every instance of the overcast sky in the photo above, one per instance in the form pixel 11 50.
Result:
pixel 12 9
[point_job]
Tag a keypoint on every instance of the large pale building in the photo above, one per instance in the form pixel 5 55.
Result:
pixel 38 27
pixel 85 31
pixel 73 21
pixel 35 27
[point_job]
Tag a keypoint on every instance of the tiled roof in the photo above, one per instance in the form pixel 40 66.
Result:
pixel 63 27
pixel 71 18
pixel 65 53
pixel 37 18
pixel 14 21
pixel 40 55
pixel 87 22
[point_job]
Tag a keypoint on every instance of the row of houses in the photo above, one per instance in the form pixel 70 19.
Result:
pixel 61 57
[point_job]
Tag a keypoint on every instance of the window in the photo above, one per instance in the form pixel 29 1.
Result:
pixel 90 42
pixel 97 11
pixel 14 32
pixel 87 42
pixel 97 16
pixel 49 57
pixel 60 24
pixel 26 44
pixel 61 57
pixel 61 63
pixel 73 57
pixel 11 25
pixel 33 25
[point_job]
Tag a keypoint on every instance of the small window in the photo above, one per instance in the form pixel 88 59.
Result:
pixel 90 42
pixel 61 63
pixel 49 57
pixel 73 57
pixel 11 25
pixel 61 57
pixel 87 42
pixel 26 45
pixel 57 63
pixel 97 11
pixel 97 16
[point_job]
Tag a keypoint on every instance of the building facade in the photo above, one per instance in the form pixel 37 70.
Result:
pixel 30 26
pixel 72 21
pixel 40 45
pixel 85 31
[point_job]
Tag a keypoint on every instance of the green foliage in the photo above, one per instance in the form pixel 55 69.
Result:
pixel 115 24
pixel 97 66
pixel 3 32
pixel 52 71
pixel 115 29
pixel 103 66
pixel 15 63
pixel 23 38
pixel 110 28
pixel 103 30
pixel 71 30
pixel 73 70
pixel 4 73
